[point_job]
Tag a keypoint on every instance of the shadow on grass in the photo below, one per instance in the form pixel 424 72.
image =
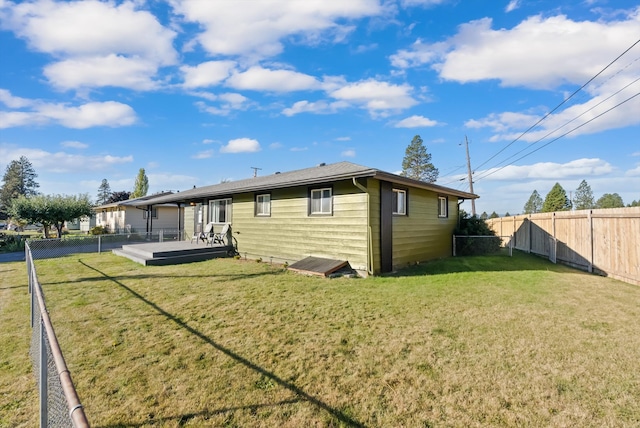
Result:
pixel 345 419
pixel 183 419
pixel 491 263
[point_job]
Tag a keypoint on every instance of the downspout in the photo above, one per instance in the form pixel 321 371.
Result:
pixel 369 235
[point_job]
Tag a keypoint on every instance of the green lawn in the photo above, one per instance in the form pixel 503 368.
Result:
pixel 485 341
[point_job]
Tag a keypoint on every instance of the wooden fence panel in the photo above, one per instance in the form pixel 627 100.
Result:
pixel 605 241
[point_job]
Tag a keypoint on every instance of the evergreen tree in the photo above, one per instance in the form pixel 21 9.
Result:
pixel 507 214
pixel 417 162
pixel 484 215
pixel 584 197
pixel 104 192
pixel 534 204
pixel 122 195
pixel 634 204
pixel 19 179
pixel 494 215
pixel 142 185
pixel 556 200
pixel 610 200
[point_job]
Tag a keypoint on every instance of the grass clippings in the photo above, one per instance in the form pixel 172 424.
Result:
pixel 483 341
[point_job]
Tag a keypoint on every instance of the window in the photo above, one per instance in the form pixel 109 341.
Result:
pixel 154 213
pixel 263 205
pixel 443 205
pixel 220 211
pixel 321 201
pixel 399 202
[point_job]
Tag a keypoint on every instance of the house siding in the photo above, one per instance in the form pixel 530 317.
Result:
pixel 422 235
pixel 373 186
pixel 291 234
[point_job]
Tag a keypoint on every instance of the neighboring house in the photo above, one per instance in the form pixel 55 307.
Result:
pixel 376 220
pixel 87 222
pixel 137 215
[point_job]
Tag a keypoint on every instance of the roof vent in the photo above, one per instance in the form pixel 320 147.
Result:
pixel 322 164
pixel 277 172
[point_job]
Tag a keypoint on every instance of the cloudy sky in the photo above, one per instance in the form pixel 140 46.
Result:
pixel 201 91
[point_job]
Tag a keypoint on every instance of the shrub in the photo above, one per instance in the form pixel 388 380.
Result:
pixel 98 230
pixel 474 226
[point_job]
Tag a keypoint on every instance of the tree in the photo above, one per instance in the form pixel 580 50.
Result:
pixel 104 192
pixel 584 197
pixel 507 214
pixel 634 203
pixel 484 215
pixel 494 215
pixel 534 204
pixel 51 210
pixel 556 200
pixel 19 179
pixel 122 195
pixel 142 185
pixel 610 200
pixel 417 162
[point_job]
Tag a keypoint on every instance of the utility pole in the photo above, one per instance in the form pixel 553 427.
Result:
pixel 255 171
pixel 473 201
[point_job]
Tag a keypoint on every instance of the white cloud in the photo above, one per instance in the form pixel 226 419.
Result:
pixel 117 44
pixel 262 79
pixel 227 103
pixel 513 5
pixel 108 113
pixel 207 74
pixel 256 31
pixel 540 52
pixel 416 122
pixel 206 154
pixel 74 145
pixel 635 172
pixel 13 102
pixel 318 107
pixel 348 153
pixel 275 146
pixel 375 96
pixel 548 170
pixel 110 70
pixel 343 139
pixel 241 145
pixel 423 3
pixel 62 162
pixel 208 141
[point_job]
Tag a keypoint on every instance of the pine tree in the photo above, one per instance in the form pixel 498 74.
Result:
pixel 417 162
pixel 104 192
pixel 484 215
pixel 556 200
pixel 610 200
pixel 494 215
pixel 142 185
pixel 121 195
pixel 534 204
pixel 584 197
pixel 19 179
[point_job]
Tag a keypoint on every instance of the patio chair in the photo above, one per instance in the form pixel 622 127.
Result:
pixel 206 235
pixel 218 238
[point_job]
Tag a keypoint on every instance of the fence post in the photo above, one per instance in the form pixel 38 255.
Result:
pixel 43 384
pixel 161 235
pixel 590 221
pixel 454 245
pixel 99 243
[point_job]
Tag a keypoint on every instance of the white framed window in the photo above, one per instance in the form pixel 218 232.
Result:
pixel 154 213
pixel 443 206
pixel 263 205
pixel 321 201
pixel 399 202
pixel 220 210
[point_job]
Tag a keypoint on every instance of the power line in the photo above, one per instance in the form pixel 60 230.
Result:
pixel 567 123
pixel 557 138
pixel 561 104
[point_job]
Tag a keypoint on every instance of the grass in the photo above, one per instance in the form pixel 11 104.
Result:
pixel 483 341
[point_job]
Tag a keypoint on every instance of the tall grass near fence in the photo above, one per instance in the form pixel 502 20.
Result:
pixel 603 241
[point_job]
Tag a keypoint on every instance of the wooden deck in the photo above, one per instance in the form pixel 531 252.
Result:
pixel 171 253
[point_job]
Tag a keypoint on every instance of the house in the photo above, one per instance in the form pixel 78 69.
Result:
pixel 377 221
pixel 137 215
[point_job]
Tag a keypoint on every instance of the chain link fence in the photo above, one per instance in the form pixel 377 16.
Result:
pixel 59 402
pixel 72 244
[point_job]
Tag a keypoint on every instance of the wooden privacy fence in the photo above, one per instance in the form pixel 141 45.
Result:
pixel 603 241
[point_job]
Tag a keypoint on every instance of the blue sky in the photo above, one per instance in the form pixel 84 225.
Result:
pixel 200 91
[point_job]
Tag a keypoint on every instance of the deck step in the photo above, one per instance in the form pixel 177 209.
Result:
pixel 170 253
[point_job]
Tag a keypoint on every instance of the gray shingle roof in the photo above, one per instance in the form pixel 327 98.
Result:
pixel 304 177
